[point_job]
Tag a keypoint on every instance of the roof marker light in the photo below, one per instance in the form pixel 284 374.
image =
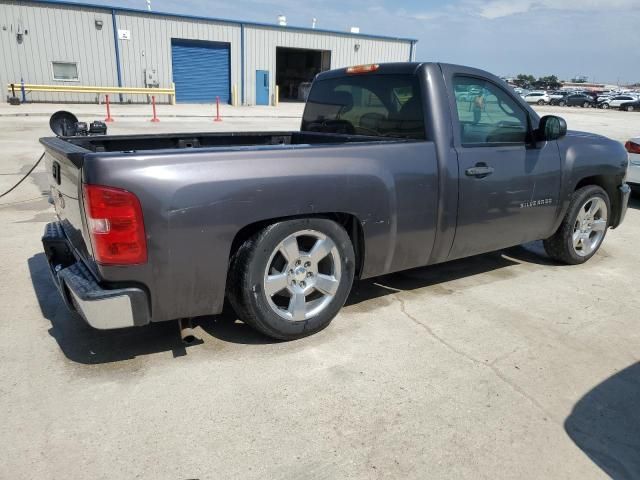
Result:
pixel 371 67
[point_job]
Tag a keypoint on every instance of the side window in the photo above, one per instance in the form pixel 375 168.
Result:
pixel 487 114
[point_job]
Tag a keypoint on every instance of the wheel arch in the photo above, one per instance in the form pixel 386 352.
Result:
pixel 350 222
pixel 608 184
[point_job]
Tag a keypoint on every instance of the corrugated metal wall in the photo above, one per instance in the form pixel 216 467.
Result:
pixel 68 33
pixel 150 44
pixel 57 33
pixel 261 42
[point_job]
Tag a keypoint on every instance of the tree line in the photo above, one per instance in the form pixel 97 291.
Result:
pixel 549 82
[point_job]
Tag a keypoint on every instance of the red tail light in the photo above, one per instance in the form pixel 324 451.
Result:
pixel 116 226
pixel 632 147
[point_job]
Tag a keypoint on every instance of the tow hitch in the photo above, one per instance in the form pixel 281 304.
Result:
pixel 187 333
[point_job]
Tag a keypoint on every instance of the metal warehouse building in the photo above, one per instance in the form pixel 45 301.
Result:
pixel 62 43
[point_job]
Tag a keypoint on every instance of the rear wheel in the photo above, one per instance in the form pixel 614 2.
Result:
pixel 540 102
pixel 583 229
pixel 605 106
pixel 561 103
pixel 586 105
pixel 629 108
pixel 292 278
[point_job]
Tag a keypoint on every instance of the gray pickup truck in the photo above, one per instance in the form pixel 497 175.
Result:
pixel 396 166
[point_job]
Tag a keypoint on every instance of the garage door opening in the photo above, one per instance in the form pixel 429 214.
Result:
pixel 295 69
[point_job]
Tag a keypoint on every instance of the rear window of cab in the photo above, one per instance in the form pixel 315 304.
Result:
pixel 366 104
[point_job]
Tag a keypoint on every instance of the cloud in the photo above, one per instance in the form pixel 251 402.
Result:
pixel 492 9
pixel 503 8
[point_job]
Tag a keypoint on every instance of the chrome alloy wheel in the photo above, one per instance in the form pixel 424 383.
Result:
pixel 590 226
pixel 302 275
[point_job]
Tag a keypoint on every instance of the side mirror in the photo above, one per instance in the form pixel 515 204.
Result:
pixel 551 128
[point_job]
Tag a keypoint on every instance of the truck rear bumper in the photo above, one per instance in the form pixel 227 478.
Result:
pixel 102 308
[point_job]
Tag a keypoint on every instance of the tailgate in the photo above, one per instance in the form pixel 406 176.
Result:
pixel 63 162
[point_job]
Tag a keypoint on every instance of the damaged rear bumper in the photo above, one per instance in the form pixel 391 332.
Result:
pixel 102 308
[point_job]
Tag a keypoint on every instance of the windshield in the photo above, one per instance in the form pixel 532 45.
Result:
pixel 376 105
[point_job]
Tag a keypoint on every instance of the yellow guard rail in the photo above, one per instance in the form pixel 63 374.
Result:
pixel 31 87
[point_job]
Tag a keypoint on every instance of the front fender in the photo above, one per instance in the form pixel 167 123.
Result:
pixel 590 159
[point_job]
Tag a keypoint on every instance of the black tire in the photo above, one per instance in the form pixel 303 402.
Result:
pixel 586 105
pixel 561 103
pixel 605 106
pixel 629 108
pixel 540 102
pixel 246 277
pixel 560 245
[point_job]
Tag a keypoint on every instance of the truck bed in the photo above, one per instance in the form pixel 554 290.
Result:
pixel 205 187
pixel 137 143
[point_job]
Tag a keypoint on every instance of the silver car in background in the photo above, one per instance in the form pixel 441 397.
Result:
pixel 633 171
pixel 539 98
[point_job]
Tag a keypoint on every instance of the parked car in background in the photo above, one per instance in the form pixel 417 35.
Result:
pixel 574 100
pixel 540 98
pixel 616 101
pixel 558 95
pixel 630 106
pixel 633 170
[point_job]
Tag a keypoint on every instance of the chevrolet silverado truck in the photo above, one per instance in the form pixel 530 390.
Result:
pixel 395 166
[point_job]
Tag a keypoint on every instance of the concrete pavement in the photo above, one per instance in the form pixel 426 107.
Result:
pixel 503 365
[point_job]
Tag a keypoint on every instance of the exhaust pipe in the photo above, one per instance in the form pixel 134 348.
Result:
pixel 187 333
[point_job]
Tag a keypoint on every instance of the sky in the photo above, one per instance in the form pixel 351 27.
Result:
pixel 567 38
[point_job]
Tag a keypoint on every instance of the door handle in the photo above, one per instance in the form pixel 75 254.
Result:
pixel 481 170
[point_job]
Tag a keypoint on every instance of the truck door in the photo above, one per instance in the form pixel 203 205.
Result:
pixel 508 191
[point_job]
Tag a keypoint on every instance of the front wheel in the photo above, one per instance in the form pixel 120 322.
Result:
pixel 561 103
pixel 583 228
pixel 292 278
pixel 629 108
pixel 586 105
pixel 605 106
pixel 540 102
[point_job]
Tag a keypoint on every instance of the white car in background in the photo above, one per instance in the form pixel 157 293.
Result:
pixel 540 98
pixel 617 100
pixel 633 171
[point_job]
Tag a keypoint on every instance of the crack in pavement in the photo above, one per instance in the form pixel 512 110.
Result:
pixel 458 352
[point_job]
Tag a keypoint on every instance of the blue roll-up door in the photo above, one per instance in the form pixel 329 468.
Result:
pixel 200 71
